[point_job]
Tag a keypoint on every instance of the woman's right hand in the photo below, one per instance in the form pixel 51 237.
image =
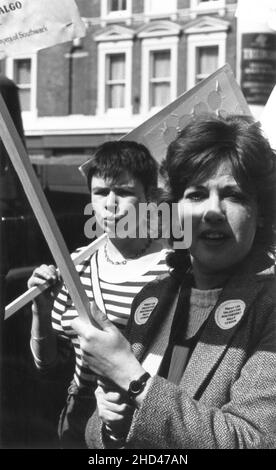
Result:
pixel 44 273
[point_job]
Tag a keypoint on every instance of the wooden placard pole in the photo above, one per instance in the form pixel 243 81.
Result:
pixel 42 211
pixel 33 292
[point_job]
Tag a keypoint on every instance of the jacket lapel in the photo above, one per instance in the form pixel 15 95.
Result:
pixel 141 335
pixel 215 339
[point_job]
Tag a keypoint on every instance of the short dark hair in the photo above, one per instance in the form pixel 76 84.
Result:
pixel 112 158
pixel 209 140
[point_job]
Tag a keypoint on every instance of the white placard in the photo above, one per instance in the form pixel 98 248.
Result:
pixel 27 26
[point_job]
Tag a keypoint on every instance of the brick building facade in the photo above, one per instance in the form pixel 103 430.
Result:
pixel 137 56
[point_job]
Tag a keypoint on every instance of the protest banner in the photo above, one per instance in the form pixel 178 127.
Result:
pixel 27 26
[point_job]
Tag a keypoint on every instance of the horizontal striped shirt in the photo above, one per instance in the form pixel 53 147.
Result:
pixel 117 298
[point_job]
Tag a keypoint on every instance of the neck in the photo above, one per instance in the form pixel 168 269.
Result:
pixel 127 247
pixel 207 281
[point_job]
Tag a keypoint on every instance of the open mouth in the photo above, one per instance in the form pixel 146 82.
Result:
pixel 214 236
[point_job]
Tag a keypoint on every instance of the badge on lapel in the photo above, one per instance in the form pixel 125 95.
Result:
pixel 229 313
pixel 143 311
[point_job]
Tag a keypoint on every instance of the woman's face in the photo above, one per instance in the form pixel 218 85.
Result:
pixel 115 203
pixel 224 221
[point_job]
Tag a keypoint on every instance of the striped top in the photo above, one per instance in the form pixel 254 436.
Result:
pixel 117 298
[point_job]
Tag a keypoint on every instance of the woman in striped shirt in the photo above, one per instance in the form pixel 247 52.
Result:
pixel 122 177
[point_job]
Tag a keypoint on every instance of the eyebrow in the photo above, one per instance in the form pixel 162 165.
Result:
pixel 227 186
pixel 123 186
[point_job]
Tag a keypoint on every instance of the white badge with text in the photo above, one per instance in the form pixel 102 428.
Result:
pixel 144 310
pixel 229 313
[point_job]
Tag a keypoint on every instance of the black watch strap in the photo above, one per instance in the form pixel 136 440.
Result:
pixel 137 386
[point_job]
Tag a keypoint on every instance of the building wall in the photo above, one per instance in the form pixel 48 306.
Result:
pixel 67 82
pixel 89 82
pixel 138 6
pixel 182 65
pixel 231 46
pixel 54 64
pixel 66 116
pixel 52 81
pixel 136 77
pixel 183 4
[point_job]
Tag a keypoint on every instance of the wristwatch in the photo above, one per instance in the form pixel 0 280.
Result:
pixel 137 386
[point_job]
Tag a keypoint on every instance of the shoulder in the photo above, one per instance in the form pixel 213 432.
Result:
pixel 163 285
pixel 264 305
pixel 268 280
pixel 163 279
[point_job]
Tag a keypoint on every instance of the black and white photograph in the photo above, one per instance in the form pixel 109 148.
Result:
pixel 138 228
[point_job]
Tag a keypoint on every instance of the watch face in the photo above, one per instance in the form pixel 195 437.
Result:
pixel 135 386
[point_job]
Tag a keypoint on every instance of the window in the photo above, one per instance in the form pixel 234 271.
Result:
pixel 205 56
pixel 114 70
pixel 160 6
pixel 115 81
pixel 159 43
pixel 22 77
pixel 117 5
pixel 160 81
pixel 159 73
pixel 22 71
pixel 206 61
pixel 116 9
pixel 206 47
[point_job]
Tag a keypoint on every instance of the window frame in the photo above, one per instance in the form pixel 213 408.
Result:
pixel 157 80
pixel 106 49
pixel 197 74
pixel 195 41
pixel 106 14
pixel 10 61
pixel 109 82
pixel 150 45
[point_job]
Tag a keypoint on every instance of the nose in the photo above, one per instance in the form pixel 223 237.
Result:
pixel 111 202
pixel 213 211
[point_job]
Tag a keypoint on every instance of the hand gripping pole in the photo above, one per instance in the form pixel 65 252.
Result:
pixel 33 292
pixel 42 211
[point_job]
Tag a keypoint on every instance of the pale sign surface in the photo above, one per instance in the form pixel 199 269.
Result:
pixel 27 26
pixel 219 94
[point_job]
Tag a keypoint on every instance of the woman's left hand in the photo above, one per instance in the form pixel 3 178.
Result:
pixel 113 409
pixel 106 351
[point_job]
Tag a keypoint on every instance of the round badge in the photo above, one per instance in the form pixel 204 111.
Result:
pixel 229 313
pixel 144 310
